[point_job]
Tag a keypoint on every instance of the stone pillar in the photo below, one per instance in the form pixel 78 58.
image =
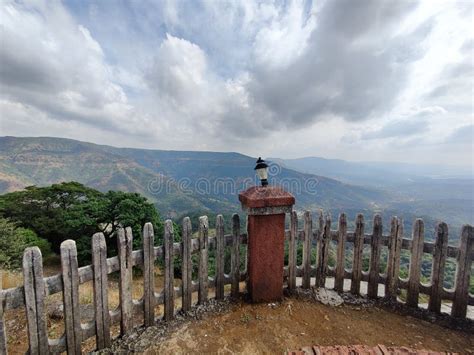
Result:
pixel 266 208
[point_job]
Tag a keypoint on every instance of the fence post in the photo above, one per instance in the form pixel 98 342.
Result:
pixel 415 263
pixel 463 270
pixel 72 313
pixel 393 261
pixel 148 277
pixel 292 251
pixel 220 250
pixel 357 258
pixel 34 301
pixel 323 257
pixel 341 253
pixel 373 286
pixel 187 267
pixel 203 258
pixel 169 270
pixel 235 256
pixel 308 237
pixel 437 269
pixel 101 301
pixel 124 241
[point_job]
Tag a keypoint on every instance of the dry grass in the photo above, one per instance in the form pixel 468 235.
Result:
pixel 16 326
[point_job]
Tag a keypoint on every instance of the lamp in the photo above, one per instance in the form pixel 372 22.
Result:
pixel 261 169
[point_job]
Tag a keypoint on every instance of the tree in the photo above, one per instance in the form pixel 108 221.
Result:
pixel 56 213
pixel 71 210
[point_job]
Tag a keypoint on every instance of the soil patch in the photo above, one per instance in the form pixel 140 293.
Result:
pixel 294 323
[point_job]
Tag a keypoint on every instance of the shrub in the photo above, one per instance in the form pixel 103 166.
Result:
pixel 14 240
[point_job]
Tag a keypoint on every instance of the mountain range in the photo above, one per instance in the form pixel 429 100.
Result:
pixel 181 182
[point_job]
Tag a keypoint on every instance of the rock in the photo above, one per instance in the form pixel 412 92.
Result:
pixel 328 297
pixel 55 310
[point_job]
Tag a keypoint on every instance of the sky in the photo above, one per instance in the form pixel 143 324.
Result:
pixel 355 80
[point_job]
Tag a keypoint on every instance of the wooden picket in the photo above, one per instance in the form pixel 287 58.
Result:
pixel 357 257
pixel 220 257
pixel 203 259
pixel 148 275
pixel 187 266
pixel 101 302
pixel 125 240
pixel 437 269
pixel 341 253
pixel 323 253
pixel 235 256
pixel 395 241
pixel 461 293
pixel 72 312
pixel 169 271
pixel 307 245
pixel 375 244
pixel 292 251
pixel 32 296
pixel 35 301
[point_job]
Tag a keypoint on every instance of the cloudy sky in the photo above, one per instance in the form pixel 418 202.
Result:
pixel 350 79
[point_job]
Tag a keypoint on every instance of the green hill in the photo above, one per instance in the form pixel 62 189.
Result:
pixel 177 181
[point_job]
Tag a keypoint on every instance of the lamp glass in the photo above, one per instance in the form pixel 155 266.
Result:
pixel 262 173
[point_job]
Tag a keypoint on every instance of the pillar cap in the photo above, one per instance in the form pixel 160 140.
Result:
pixel 268 196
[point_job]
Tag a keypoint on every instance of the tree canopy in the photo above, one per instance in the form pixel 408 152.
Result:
pixel 71 210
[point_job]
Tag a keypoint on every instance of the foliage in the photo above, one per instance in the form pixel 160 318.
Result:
pixel 14 240
pixel 71 210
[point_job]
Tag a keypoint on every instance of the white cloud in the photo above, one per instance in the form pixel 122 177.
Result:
pixel 270 78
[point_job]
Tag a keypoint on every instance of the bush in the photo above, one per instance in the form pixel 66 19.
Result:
pixel 13 242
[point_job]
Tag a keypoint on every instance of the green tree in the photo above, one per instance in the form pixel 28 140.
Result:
pixel 73 211
pixel 56 213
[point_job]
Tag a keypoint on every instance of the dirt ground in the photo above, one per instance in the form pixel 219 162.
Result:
pixel 292 324
pixel 249 329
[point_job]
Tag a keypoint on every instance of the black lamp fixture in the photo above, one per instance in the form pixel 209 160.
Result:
pixel 261 169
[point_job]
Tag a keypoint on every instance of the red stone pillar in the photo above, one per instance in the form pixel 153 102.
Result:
pixel 266 208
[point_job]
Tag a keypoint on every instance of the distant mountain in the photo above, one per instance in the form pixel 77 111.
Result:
pixel 177 182
pixel 376 174
pixel 441 192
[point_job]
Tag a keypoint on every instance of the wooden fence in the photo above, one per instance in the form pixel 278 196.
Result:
pixel 33 295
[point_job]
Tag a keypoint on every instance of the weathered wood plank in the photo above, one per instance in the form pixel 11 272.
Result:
pixel 463 271
pixel 3 332
pixel 308 237
pixel 72 316
pixel 35 301
pixel 101 300
pixel 220 253
pixel 437 268
pixel 169 271
pixel 292 249
pixel 413 290
pixel 148 275
pixel 125 245
pixel 393 260
pixel 323 257
pixel 374 268
pixel 235 256
pixel 357 257
pixel 203 259
pixel 187 267
pixel 341 251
